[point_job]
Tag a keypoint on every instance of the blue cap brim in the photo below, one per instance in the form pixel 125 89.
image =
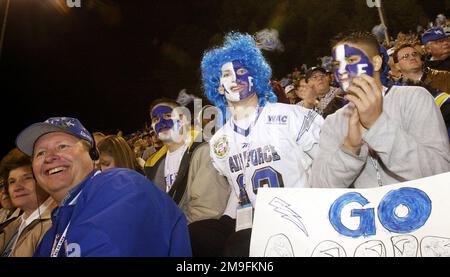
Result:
pixel 27 138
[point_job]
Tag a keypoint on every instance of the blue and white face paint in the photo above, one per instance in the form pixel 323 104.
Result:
pixel 167 123
pixel 236 82
pixel 351 62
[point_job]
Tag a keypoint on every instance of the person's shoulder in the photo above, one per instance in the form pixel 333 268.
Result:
pixel 220 133
pixel 124 185
pixel 121 172
pixel 120 180
pixel 410 97
pixel 203 146
pixel 200 151
pixel 442 75
pixel 279 106
pixel 410 92
pixel 287 108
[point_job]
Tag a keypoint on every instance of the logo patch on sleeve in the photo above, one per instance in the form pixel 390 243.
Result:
pixel 221 147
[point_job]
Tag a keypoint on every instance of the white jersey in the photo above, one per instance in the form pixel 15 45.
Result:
pixel 275 151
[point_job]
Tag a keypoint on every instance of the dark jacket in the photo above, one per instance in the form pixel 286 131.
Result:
pixel 437 79
pixel 154 170
pixel 439 65
pixel 199 190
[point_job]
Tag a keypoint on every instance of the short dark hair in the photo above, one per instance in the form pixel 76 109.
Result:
pixel 14 159
pixel 400 47
pixel 359 37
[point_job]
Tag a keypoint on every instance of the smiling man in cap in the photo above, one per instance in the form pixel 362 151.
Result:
pixel 96 209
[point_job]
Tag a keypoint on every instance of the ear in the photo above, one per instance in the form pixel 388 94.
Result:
pixel 377 62
pixel 427 48
pixel 221 90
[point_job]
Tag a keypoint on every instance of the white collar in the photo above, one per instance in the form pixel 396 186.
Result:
pixel 74 200
pixel 36 213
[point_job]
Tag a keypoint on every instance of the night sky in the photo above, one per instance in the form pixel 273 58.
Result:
pixel 105 62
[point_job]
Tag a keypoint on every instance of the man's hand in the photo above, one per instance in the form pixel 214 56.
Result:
pixel 367 96
pixel 353 141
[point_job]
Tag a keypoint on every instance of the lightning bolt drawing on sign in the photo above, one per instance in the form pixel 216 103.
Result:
pixel 287 213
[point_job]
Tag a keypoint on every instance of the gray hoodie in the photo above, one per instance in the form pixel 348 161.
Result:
pixel 408 141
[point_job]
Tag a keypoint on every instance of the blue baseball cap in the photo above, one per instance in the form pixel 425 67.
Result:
pixel 433 34
pixel 27 138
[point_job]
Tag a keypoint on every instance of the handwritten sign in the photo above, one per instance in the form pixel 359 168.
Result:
pixel 410 219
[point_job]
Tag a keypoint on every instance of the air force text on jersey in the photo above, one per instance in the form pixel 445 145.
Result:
pixel 257 156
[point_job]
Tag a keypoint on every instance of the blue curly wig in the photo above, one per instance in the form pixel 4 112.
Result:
pixel 241 47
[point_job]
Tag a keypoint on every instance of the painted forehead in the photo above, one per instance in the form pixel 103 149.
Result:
pixel 163 108
pixel 350 50
pixel 235 64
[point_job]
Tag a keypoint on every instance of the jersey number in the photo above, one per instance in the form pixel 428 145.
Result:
pixel 264 177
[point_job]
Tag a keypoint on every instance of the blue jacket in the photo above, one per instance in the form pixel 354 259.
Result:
pixel 117 213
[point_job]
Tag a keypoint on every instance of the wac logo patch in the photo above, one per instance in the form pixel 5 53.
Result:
pixel 277 119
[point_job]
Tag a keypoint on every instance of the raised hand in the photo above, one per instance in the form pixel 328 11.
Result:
pixel 353 141
pixel 367 96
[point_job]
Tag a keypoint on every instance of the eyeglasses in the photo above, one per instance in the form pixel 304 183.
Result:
pixel 407 56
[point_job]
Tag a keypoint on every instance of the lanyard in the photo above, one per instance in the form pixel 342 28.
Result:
pixel 70 200
pixel 57 246
pixel 375 165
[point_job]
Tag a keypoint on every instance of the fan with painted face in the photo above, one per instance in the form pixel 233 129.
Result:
pixel 236 82
pixel 236 71
pixel 167 121
pixel 350 62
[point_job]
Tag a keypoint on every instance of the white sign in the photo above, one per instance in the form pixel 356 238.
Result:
pixel 410 219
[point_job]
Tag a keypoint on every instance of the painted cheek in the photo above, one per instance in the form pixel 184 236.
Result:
pixel 363 66
pixel 163 123
pixel 339 56
pixel 228 83
pixel 245 80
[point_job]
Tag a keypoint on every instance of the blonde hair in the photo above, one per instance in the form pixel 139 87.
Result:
pixel 120 151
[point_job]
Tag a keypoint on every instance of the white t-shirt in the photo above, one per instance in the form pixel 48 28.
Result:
pixel 172 164
pixel 281 144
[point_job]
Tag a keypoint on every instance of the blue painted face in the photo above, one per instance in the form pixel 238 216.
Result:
pixel 162 118
pixel 350 62
pixel 236 81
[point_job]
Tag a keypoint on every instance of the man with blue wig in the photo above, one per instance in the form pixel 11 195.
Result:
pixel 262 144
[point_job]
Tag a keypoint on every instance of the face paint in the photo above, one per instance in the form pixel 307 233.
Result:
pixel 349 69
pixel 160 118
pixel 167 123
pixel 236 81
